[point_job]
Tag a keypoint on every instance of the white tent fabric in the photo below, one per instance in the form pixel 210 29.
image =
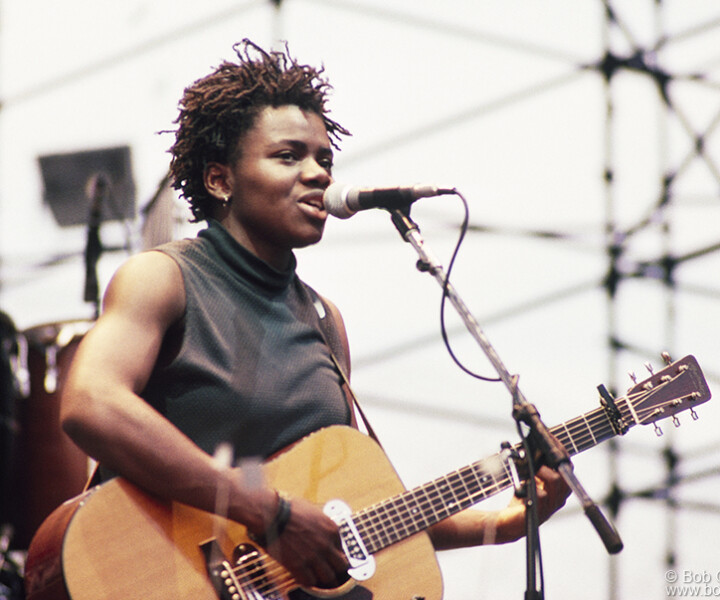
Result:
pixel 562 156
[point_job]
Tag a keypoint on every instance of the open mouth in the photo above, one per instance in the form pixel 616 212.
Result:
pixel 313 204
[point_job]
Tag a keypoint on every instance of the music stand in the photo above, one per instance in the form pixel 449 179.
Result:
pixel 88 188
pixel 66 178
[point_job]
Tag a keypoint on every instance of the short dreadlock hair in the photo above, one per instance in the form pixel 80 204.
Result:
pixel 217 110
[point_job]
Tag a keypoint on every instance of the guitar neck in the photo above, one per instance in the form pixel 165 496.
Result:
pixel 418 509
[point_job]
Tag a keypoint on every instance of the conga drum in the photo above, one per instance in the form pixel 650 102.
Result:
pixel 48 467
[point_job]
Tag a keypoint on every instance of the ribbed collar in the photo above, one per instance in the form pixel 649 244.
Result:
pixel 244 263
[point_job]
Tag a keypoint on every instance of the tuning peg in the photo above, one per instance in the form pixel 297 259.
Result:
pixel 693 414
pixel 676 421
pixel 632 376
pixel 658 431
pixel 650 369
pixel 666 358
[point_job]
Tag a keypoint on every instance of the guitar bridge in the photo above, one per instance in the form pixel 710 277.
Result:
pixel 245 580
pixel 362 563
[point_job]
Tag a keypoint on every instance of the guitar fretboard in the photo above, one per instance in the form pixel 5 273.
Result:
pixel 418 509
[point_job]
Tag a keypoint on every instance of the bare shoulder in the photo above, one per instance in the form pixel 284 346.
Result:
pixel 148 285
pixel 149 266
pixel 143 300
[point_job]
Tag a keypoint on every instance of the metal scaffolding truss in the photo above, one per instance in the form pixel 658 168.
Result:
pixel 623 54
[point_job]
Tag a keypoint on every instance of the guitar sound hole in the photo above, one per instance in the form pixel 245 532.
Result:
pixel 357 592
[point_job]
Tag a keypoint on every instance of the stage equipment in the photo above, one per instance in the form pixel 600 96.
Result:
pixel 47 467
pixel 534 433
pixel 70 185
pixel 87 188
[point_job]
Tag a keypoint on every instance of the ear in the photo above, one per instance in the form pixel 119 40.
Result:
pixel 218 180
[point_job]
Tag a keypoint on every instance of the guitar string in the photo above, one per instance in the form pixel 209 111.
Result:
pixel 441 496
pixel 451 483
pixel 397 518
pixel 264 575
pixel 269 577
pixel 474 482
pixel 435 494
pixel 438 497
pixel 582 432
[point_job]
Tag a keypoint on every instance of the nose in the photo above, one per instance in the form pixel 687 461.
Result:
pixel 315 174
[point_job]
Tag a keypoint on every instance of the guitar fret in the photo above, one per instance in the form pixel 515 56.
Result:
pixel 473 485
pixel 418 509
pixel 580 440
pixel 394 519
pixel 631 410
pixel 392 524
pixel 584 432
pixel 252 573
pixel 447 496
pixel 488 484
pixel 458 484
pixel 570 438
pixel 369 533
pixel 587 425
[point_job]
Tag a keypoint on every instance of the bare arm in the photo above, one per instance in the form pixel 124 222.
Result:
pixel 478 527
pixel 475 527
pixel 101 409
pixel 104 414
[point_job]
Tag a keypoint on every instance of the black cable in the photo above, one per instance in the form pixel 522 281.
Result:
pixel 443 328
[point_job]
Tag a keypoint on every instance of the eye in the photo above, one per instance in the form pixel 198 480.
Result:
pixel 326 163
pixel 287 155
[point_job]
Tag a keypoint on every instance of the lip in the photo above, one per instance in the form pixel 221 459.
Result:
pixel 314 199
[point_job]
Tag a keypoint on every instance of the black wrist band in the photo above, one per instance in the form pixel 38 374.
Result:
pixel 278 524
pixel 283 514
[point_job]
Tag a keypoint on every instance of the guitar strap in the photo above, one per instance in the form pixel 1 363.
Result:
pixel 331 335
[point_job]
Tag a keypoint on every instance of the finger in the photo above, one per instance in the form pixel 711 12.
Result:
pixel 304 575
pixel 325 575
pixel 339 563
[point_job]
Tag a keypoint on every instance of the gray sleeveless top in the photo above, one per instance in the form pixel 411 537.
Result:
pixel 251 366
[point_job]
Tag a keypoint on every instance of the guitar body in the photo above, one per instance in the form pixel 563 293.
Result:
pixel 116 542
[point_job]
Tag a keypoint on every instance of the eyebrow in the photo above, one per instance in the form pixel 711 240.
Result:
pixel 300 145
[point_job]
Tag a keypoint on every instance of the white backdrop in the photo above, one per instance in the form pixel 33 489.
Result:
pixel 488 97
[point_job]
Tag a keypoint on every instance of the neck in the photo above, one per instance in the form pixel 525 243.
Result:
pixel 276 258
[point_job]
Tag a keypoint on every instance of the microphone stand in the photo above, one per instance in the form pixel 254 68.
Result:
pixel 97 187
pixel 523 412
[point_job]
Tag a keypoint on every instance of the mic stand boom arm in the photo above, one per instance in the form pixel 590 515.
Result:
pixel 555 456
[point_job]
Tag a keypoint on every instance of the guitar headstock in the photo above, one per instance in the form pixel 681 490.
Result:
pixel 678 387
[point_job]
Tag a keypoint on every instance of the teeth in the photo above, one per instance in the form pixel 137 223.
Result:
pixel 314 203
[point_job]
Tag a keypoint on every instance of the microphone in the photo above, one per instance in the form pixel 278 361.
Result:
pixel 343 201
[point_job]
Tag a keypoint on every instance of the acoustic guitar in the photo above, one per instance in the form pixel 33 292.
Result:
pixel 116 542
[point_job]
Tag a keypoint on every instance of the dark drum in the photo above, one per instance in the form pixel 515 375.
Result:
pixel 48 467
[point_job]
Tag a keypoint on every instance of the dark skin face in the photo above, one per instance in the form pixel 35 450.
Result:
pixel 276 186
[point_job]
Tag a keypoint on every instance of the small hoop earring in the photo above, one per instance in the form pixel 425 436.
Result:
pixel 225 201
